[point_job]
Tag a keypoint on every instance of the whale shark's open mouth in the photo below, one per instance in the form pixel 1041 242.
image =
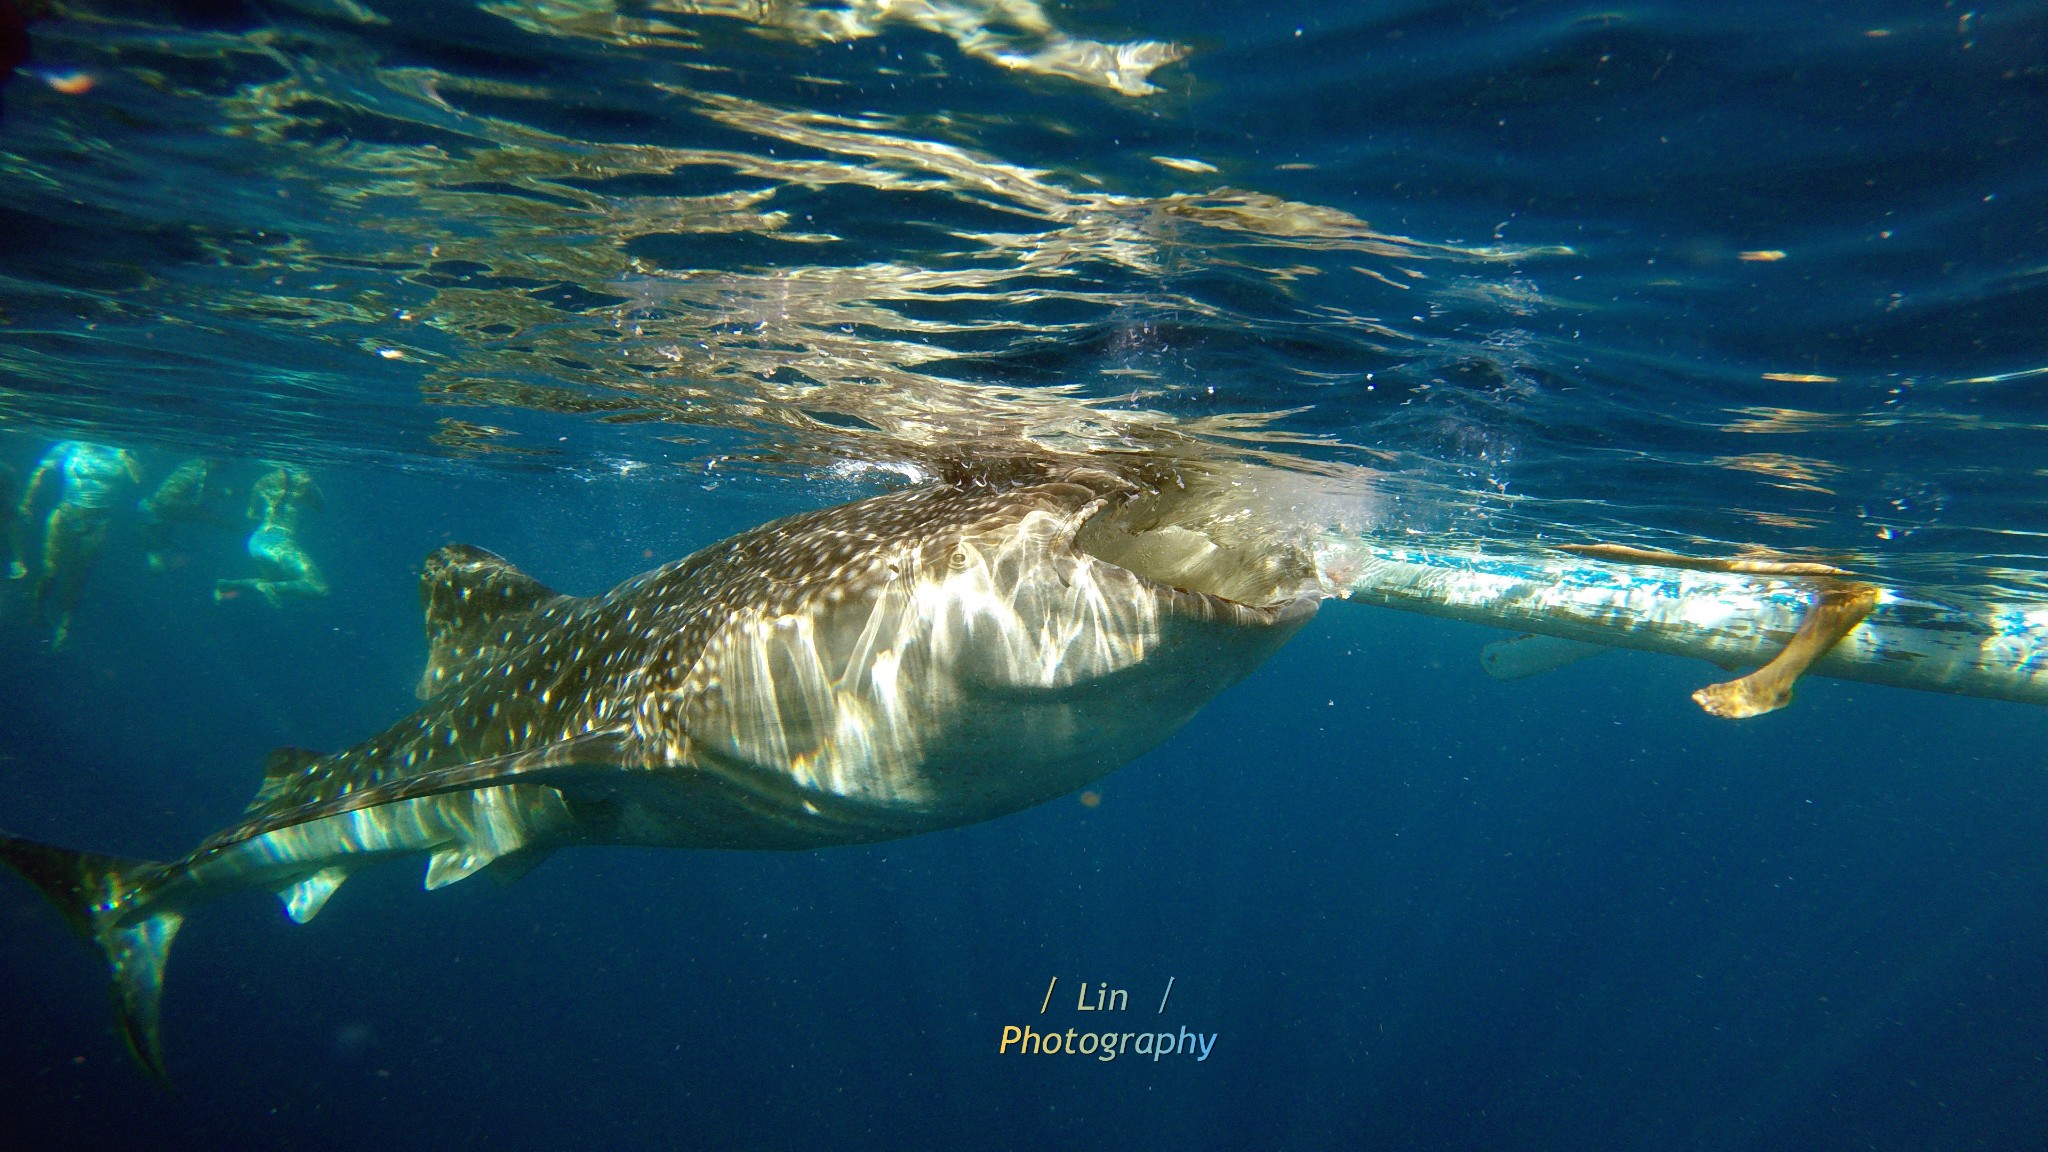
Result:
pixel 1203 536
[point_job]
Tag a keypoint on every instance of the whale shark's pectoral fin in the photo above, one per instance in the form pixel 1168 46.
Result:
pixel 305 899
pixel 455 862
pixel 461 861
pixel 1529 655
pixel 1838 607
pixel 583 766
pixel 471 597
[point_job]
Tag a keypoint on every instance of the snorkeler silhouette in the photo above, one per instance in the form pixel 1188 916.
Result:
pixel 10 492
pixel 277 502
pixel 76 528
pixel 184 497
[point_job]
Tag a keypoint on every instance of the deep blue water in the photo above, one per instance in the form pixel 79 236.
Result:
pixel 593 294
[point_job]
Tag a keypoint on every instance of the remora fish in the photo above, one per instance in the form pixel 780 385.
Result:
pixel 914 661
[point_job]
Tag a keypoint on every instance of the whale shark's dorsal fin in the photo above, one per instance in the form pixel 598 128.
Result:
pixel 280 769
pixel 465 592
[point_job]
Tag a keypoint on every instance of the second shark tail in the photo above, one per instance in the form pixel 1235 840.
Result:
pixel 101 898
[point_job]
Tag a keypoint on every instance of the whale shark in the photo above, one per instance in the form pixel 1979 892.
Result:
pixel 937 656
pixel 913 661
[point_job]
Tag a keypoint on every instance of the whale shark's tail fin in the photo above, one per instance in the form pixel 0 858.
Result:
pixel 99 896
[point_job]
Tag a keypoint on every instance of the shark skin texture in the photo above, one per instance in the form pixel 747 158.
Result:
pixel 919 660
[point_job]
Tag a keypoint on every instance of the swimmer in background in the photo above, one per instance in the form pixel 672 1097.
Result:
pixel 76 530
pixel 277 502
pixel 10 492
pixel 184 497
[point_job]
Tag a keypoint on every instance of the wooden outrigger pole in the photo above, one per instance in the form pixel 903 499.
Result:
pixel 1784 618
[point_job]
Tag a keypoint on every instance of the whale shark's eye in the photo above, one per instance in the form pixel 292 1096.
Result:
pixel 958 559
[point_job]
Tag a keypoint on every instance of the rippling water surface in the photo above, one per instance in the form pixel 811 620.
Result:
pixel 612 278
pixel 1763 275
